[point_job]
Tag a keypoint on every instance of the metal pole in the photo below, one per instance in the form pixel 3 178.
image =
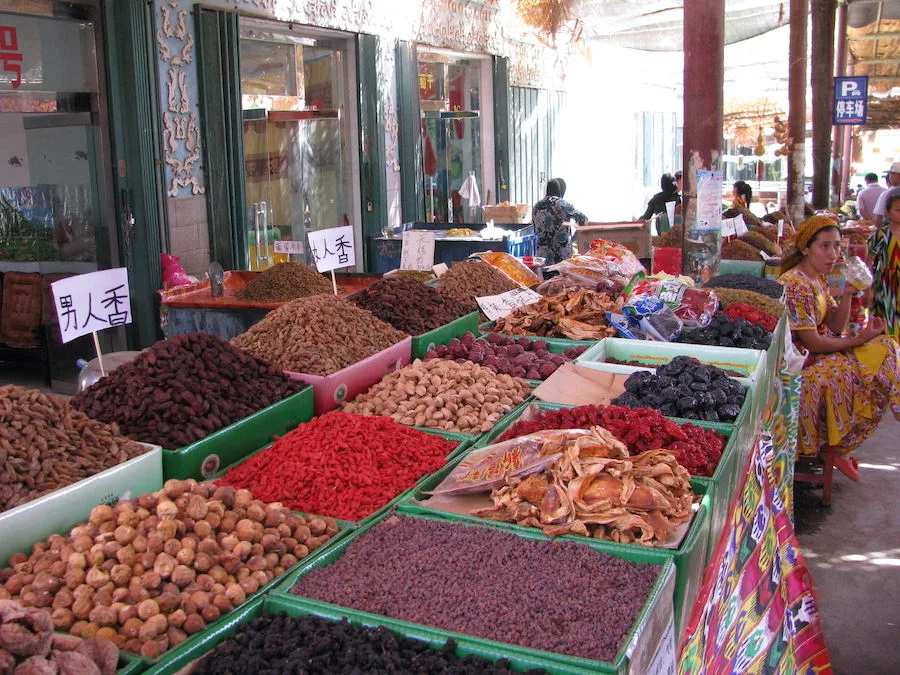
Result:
pixel 840 68
pixel 847 150
pixel 704 75
pixel 822 65
pixel 797 109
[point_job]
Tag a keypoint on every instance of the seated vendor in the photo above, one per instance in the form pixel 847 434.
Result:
pixel 848 382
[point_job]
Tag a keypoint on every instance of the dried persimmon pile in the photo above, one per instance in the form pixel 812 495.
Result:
pixel 595 489
pixel 574 314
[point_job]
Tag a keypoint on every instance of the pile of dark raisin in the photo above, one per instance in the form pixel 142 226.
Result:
pixel 684 387
pixel 723 332
pixel 277 643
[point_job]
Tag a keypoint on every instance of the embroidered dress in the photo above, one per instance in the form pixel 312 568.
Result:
pixel 554 238
pixel 843 394
pixel 884 246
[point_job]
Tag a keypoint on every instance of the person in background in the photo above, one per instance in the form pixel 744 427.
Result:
pixel 893 180
pixel 742 194
pixel 848 382
pixel 669 192
pixel 884 260
pixel 867 198
pixel 550 217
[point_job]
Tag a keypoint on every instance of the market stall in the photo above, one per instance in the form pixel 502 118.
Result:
pixel 557 455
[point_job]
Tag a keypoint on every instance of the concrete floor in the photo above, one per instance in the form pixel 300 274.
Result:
pixel 853 551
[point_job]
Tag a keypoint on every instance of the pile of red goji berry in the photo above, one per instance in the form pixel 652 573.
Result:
pixel 739 310
pixel 341 465
pixel 697 449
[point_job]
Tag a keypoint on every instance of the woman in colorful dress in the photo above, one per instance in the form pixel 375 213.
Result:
pixel 848 382
pixel 884 259
pixel 550 218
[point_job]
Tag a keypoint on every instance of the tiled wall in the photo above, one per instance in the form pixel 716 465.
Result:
pixel 189 234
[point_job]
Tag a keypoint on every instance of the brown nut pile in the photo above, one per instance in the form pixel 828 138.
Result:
pixel 318 335
pixel 284 282
pixel 28 645
pixel 408 305
pixel 439 394
pixel 45 444
pixel 474 279
pixel 148 572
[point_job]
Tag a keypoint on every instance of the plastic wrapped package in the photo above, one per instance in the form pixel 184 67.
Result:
pixel 511 266
pixel 619 260
pixel 586 271
pixel 694 306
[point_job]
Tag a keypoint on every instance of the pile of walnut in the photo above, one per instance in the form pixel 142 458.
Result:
pixel 148 572
pixel 597 490
pixel 28 646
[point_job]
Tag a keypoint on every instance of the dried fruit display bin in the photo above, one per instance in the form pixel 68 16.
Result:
pixel 463 441
pixel 203 459
pixel 443 334
pixel 208 640
pixel 488 327
pixel 689 557
pixel 329 391
pixel 59 511
pixel 750 362
pixel 652 628
pixel 719 487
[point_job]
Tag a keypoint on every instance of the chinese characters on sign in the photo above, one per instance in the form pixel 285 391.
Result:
pixel 851 100
pixel 10 56
pixel 417 252
pixel 288 246
pixel 497 306
pixel 92 302
pixel 332 248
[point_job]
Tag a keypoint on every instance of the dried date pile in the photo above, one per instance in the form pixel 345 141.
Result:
pixel 283 282
pixel 409 305
pixel 148 572
pixel 182 389
pixel 28 646
pixel 318 335
pixel 474 279
pixel 275 643
pixel 341 465
pixel 558 596
pixel 697 449
pixel 45 444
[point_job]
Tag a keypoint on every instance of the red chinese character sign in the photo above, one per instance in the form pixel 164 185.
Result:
pixel 90 302
pixel 10 56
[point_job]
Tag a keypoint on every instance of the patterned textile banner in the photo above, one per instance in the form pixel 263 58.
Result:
pixel 757 611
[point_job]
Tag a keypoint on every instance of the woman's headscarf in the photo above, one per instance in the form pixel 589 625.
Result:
pixel 808 229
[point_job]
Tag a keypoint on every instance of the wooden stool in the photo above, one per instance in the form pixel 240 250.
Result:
pixel 825 478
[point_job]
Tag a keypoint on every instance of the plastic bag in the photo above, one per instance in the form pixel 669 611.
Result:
pixel 511 266
pixel 694 306
pixel 655 317
pixel 857 273
pixel 587 271
pixel 619 260
pixel 486 468
pixel 173 273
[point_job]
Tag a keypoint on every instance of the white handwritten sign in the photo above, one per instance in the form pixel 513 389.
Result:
pixel 729 227
pixel 665 660
pixel 91 302
pixel 440 269
pixel 288 246
pixel 418 250
pixel 497 306
pixel 332 248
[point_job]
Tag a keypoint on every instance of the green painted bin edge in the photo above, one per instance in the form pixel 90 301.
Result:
pixel 296 606
pixel 639 554
pixel 443 334
pixel 234 442
pixel 487 326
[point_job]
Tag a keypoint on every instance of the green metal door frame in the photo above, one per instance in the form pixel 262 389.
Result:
pixel 372 183
pixel 409 122
pixel 139 195
pixel 501 127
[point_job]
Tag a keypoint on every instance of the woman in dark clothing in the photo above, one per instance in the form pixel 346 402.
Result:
pixel 550 217
pixel 669 193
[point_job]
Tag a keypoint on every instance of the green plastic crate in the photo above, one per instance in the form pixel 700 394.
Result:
pixel 751 267
pixel 488 326
pixel 202 459
pixel 443 334
pixel 633 657
pixel 293 606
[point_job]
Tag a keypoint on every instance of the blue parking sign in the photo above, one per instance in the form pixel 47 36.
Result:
pixel 851 100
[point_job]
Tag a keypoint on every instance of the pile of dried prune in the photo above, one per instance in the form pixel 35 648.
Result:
pixel 725 332
pixel 684 387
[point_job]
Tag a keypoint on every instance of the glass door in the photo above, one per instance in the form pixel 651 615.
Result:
pixel 297 174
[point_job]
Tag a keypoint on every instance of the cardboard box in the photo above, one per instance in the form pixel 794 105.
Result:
pixel 635 236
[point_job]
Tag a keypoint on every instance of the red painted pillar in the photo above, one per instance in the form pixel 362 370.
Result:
pixel 822 66
pixel 797 109
pixel 704 75
pixel 840 68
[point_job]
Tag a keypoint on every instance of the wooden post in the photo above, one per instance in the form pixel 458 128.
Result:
pixel 796 109
pixel 704 75
pixel 822 67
